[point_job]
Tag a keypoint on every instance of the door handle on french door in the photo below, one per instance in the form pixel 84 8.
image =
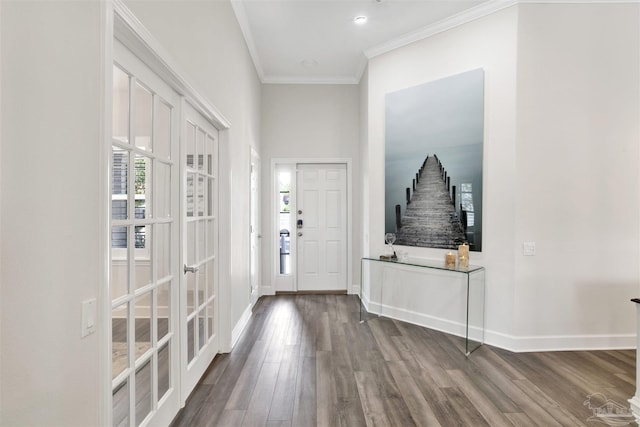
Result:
pixel 190 269
pixel 299 233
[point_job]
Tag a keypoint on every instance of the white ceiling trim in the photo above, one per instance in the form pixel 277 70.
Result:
pixel 243 21
pixel 577 1
pixel 467 16
pixel 362 65
pixel 133 35
pixel 340 80
pixel 461 18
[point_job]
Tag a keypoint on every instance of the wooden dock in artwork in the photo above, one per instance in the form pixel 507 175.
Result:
pixel 430 218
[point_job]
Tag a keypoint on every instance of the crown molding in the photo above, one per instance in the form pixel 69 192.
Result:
pixel 461 18
pixel 133 35
pixel 245 28
pixel 467 16
pixel 477 12
pixel 363 61
pixel 577 1
pixel 316 80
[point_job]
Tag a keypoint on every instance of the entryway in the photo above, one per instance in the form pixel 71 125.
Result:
pixel 311 227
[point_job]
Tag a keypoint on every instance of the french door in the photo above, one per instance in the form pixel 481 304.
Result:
pixel 199 289
pixel 321 227
pixel 164 244
pixel 145 225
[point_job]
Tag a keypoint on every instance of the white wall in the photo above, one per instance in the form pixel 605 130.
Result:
pixel 561 164
pixel 309 122
pixel 51 142
pixel 51 210
pixel 489 43
pixel 577 157
pixel 206 42
pixel 1 257
pixel 365 189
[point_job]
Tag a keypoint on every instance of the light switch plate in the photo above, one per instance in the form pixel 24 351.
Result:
pixel 528 248
pixel 88 317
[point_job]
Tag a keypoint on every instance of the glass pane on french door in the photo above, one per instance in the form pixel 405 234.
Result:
pixel 200 280
pixel 144 236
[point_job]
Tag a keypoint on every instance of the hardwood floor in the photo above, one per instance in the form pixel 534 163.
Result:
pixel 305 360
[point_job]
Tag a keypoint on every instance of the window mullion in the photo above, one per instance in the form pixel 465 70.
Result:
pixel 153 325
pixel 131 187
pixel 131 254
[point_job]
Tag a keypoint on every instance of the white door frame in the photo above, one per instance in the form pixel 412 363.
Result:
pixel 255 258
pixel 272 239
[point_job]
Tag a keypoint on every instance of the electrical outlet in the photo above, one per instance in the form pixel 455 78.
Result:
pixel 528 248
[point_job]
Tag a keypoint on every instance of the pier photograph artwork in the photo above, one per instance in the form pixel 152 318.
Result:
pixel 434 135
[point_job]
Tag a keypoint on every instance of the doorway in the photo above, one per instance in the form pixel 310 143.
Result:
pixel 163 312
pixel 310 234
pixel 255 234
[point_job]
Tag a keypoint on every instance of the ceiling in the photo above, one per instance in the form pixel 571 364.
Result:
pixel 317 41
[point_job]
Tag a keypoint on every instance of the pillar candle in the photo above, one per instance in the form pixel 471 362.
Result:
pixel 450 260
pixel 463 251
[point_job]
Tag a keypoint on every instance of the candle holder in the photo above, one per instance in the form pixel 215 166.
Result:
pixel 450 260
pixel 463 255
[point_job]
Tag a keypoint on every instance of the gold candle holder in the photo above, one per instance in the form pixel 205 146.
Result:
pixel 463 255
pixel 463 262
pixel 450 260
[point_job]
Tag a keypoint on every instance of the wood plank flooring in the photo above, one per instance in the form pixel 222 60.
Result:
pixel 305 360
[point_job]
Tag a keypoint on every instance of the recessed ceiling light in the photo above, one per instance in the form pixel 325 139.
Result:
pixel 360 20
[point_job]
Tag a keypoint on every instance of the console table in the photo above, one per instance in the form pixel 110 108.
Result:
pixel 374 292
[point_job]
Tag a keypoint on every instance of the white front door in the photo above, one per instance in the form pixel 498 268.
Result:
pixel 321 227
pixel 199 316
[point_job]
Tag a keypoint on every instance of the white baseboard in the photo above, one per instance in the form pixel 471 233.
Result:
pixel 267 290
pixel 522 344
pixel 634 403
pixel 420 319
pixel 355 289
pixel 517 344
pixel 239 327
pixel 271 290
